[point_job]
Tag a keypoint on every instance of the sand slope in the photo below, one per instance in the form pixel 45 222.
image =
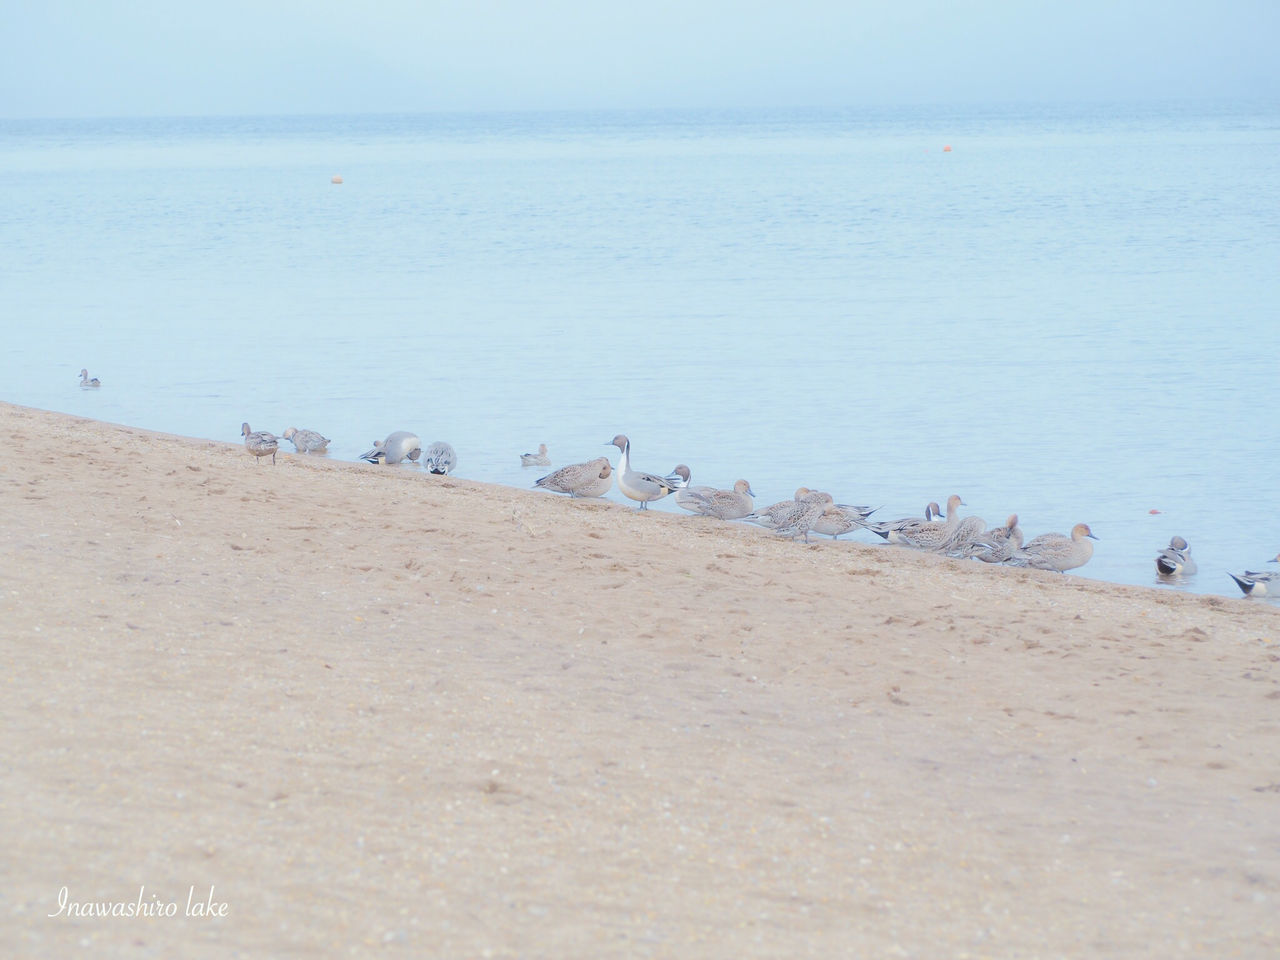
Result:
pixel 387 713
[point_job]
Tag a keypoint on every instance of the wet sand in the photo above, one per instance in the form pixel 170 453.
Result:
pixel 380 712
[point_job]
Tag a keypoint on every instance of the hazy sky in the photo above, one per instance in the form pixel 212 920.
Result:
pixel 66 58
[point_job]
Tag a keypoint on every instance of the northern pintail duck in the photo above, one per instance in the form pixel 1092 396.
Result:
pixel 999 543
pixel 590 479
pixel 679 476
pixel 306 441
pixel 891 530
pixel 88 384
pixel 1053 551
pixel 638 485
pixel 724 504
pixel 1175 560
pixel 439 458
pixel 539 459
pixel 777 514
pixel 259 443
pixel 965 538
pixel 845 518
pixel 1256 583
pixel 398 446
pixel 936 534
pixel 812 506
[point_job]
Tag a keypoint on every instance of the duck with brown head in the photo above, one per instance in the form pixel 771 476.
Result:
pixel 724 504
pixel 1053 551
pixel 637 485
pixel 259 443
pixel 936 534
pixel 894 530
pixel 539 459
pixel 590 479
pixel 306 441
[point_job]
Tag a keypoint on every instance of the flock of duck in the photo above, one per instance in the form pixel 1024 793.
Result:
pixel 815 511
pixel 809 511
pixel 400 445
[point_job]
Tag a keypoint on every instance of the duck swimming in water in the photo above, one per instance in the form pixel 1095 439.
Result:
pixel 539 459
pixel 1256 583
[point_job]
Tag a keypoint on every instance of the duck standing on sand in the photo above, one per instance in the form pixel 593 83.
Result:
pixel 590 479
pixel 306 441
pixel 86 383
pixel 539 459
pixel 844 518
pixel 810 508
pixel 637 485
pixel 778 514
pixel 999 543
pixel 439 458
pixel 400 445
pixel 1053 551
pixel 259 443
pixel 936 534
pixel 895 531
pixel 724 504
pixel 1256 583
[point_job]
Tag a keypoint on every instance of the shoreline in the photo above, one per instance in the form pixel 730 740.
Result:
pixel 380 707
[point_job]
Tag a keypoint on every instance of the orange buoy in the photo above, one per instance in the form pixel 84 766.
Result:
pixel 335 179
pixel 947 148
pixel 1153 511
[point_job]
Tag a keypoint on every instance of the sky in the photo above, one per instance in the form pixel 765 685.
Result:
pixel 99 58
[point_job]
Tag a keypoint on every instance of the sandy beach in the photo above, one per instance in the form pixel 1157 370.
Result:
pixel 375 712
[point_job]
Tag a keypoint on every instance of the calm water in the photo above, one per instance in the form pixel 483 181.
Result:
pixel 1072 314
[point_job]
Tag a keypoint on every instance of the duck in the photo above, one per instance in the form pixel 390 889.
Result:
pixel 723 504
pixel 679 476
pixel 1258 583
pixel 965 538
pixel 1175 559
pixel 399 445
pixel 777 514
pixel 811 507
pixel 845 518
pixel 892 530
pixel 936 534
pixel 999 543
pixel 1053 551
pixel 306 441
pixel 637 485
pixel 440 458
pixel 590 479
pixel 86 383
pixel 259 443
pixel 539 459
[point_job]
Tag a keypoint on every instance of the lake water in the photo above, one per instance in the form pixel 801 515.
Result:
pixel 1071 314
